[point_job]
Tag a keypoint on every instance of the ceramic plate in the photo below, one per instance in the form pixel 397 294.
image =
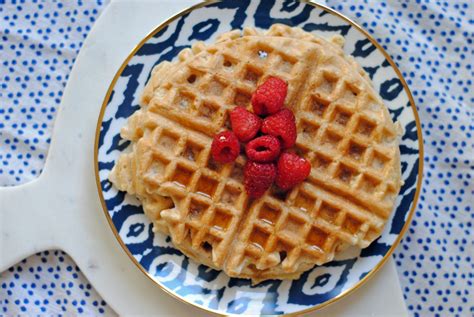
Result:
pixel 154 254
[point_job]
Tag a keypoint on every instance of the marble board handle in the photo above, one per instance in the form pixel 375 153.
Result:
pixel 26 222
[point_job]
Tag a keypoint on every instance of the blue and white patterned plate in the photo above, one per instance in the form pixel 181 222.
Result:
pixel 154 254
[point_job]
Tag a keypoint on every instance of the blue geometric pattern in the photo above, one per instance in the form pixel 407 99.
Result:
pixel 432 44
pixel 155 253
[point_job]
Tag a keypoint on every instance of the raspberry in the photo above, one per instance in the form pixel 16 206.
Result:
pixel 281 125
pixel 225 147
pixel 263 149
pixel 291 170
pixel 269 97
pixel 245 124
pixel 258 177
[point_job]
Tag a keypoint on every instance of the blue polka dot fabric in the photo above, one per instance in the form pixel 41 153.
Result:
pixel 431 41
pixel 48 284
pixel 38 45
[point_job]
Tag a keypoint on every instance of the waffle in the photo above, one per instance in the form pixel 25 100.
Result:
pixel 344 130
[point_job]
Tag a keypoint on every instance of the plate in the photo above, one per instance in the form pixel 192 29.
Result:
pixel 154 254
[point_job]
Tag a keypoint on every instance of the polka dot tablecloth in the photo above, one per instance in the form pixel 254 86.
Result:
pixel 431 41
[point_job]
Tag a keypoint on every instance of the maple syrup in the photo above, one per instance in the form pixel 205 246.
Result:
pixel 206 186
pixel 221 220
pixel 352 225
pixel 182 176
pixel 328 213
pixel 304 202
pixel 316 237
pixel 269 215
pixel 259 238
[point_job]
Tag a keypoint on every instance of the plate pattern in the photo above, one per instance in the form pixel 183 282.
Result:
pixel 198 284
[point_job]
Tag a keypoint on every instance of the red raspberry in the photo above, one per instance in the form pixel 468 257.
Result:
pixel 281 125
pixel 269 97
pixel 225 147
pixel 291 170
pixel 245 124
pixel 258 177
pixel 263 149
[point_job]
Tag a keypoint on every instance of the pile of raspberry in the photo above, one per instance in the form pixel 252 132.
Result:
pixel 269 133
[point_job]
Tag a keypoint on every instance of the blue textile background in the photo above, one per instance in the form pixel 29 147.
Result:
pixel 431 41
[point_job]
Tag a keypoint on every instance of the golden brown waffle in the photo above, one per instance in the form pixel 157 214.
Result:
pixel 343 129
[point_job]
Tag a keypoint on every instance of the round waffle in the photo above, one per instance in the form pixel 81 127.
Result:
pixel 344 130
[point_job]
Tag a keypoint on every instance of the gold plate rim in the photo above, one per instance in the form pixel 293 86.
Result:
pixel 395 243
